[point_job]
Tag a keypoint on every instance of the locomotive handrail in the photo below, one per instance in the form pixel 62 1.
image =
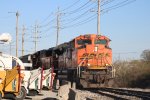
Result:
pixel 78 68
pixel 113 70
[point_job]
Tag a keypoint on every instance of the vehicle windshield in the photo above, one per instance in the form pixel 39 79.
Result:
pixel 100 42
pixel 84 41
pixel 28 68
pixel 1 64
pixel 14 63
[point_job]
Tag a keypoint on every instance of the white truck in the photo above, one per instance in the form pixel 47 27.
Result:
pixel 11 77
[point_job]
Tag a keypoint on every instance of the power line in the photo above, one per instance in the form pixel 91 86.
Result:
pixel 5 17
pixel 90 18
pixel 52 14
pixel 71 12
pixel 78 17
pixel 103 2
pixel 85 5
pixel 82 22
pixel 46 18
pixel 106 2
pixel 118 5
pixel 78 9
pixel 48 29
pixel 71 5
pixel 47 24
pixel 71 20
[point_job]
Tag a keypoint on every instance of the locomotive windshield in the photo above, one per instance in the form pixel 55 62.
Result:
pixel 85 41
pixel 100 42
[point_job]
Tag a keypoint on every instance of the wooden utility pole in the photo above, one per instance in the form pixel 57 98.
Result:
pixel 35 36
pixel 23 33
pixel 98 18
pixel 58 26
pixel 10 49
pixel 17 15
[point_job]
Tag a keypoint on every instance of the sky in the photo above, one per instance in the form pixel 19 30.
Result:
pixel 125 22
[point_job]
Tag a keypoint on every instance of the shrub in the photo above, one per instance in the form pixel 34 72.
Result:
pixel 132 73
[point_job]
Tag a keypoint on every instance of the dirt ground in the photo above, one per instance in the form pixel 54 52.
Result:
pixel 44 95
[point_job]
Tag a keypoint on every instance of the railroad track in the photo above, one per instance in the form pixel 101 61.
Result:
pixel 122 94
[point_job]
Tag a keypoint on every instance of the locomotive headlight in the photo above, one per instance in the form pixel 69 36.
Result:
pixel 95 48
pixel 88 64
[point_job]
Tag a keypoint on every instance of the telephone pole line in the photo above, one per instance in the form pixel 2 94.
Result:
pixel 98 18
pixel 23 33
pixel 17 16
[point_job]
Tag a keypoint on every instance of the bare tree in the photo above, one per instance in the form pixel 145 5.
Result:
pixel 146 55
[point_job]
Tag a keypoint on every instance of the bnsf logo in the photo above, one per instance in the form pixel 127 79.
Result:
pixel 95 55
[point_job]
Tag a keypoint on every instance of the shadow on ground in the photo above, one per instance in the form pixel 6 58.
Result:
pixel 28 98
pixel 49 98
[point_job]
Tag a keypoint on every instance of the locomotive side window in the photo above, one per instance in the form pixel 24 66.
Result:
pixel 100 42
pixel 85 41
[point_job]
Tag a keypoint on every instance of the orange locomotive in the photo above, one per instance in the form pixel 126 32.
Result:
pixel 87 59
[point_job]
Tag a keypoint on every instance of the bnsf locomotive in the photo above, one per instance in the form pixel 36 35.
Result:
pixel 86 60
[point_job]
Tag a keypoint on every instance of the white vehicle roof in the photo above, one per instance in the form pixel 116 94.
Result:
pixel 8 61
pixel 27 64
